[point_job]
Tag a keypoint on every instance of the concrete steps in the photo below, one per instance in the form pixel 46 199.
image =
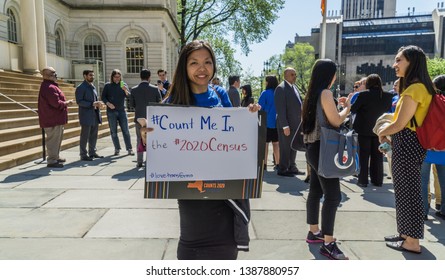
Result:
pixel 24 156
pixel 35 140
pixel 20 133
pixel 25 121
pixel 20 113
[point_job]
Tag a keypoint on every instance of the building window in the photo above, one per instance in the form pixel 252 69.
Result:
pixel 134 54
pixel 58 43
pixel 12 27
pixel 93 47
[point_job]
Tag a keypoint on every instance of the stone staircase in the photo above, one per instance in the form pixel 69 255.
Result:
pixel 20 134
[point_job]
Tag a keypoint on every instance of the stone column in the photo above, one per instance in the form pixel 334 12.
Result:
pixel 29 37
pixel 3 22
pixel 41 33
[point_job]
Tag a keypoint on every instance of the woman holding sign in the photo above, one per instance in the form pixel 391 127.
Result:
pixel 210 229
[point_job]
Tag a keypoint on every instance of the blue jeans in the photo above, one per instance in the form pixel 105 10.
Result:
pixel 425 177
pixel 119 117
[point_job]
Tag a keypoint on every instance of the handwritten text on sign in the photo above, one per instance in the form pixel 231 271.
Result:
pixel 192 143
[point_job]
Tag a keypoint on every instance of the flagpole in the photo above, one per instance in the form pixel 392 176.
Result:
pixel 324 4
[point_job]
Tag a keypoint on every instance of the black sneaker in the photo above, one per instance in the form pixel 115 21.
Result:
pixel 332 251
pixel 314 238
pixel 440 215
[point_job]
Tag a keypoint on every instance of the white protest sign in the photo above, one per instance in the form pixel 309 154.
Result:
pixel 194 143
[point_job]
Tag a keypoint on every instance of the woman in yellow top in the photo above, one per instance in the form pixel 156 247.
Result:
pixel 416 91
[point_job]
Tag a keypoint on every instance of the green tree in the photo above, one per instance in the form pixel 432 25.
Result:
pixel 249 78
pixel 244 21
pixel 436 66
pixel 274 67
pixel 227 64
pixel 301 57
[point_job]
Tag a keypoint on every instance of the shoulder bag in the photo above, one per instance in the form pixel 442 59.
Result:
pixel 338 153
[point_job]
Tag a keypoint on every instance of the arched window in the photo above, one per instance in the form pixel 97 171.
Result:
pixel 92 47
pixel 58 40
pixel 134 54
pixel 12 27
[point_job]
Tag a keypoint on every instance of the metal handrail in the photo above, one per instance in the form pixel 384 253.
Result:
pixel 16 102
pixel 43 131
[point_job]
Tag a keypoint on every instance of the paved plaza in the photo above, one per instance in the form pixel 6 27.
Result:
pixel 96 210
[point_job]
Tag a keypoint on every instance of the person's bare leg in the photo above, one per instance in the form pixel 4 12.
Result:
pixel 276 152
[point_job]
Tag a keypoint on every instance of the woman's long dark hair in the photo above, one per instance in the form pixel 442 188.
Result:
pixel 248 90
pixel 272 82
pixel 439 83
pixel 323 72
pixel 417 71
pixel 179 91
pixel 374 83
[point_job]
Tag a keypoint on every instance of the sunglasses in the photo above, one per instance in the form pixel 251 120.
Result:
pixel 356 86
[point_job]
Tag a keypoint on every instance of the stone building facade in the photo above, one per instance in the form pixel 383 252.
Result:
pixel 73 34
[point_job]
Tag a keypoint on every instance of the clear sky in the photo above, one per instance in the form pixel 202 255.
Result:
pixel 299 16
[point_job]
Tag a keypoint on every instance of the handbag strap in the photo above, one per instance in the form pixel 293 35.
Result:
pixel 322 121
pixel 321 117
pixel 346 143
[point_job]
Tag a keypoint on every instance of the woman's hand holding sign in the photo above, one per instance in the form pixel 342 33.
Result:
pixel 254 107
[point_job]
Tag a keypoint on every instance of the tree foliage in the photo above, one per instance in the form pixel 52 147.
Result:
pixel 249 78
pixel 436 66
pixel 224 52
pixel 225 23
pixel 301 57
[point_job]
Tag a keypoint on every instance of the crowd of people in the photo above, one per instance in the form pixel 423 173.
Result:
pixel 211 229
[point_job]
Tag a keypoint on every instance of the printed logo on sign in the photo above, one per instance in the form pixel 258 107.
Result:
pixel 196 185
pixel 202 187
pixel 344 160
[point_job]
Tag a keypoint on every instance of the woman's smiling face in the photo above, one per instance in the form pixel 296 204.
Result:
pixel 400 65
pixel 199 70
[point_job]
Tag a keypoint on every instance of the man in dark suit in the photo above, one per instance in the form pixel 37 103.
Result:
pixel 89 116
pixel 234 82
pixel 288 104
pixel 141 96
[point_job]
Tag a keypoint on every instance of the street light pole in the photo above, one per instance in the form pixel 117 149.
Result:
pixel 279 71
pixel 261 80
pixel 266 68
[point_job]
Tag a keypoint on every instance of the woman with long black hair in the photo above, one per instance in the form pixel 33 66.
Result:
pixel 320 110
pixel 416 91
